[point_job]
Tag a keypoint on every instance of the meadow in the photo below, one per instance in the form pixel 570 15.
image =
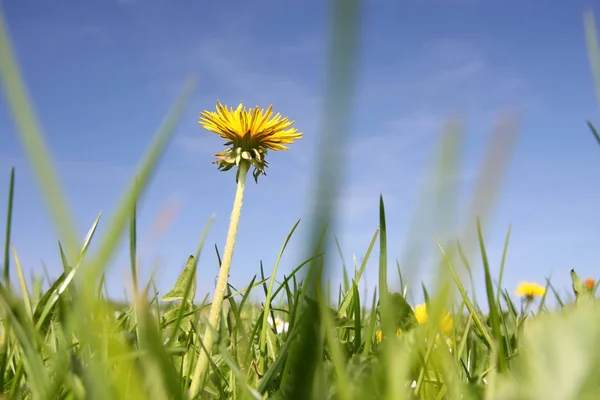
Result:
pixel 308 339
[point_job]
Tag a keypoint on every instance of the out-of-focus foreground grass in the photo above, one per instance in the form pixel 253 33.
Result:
pixel 69 340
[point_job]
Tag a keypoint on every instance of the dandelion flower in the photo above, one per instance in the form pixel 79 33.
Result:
pixel 379 334
pixel 529 290
pixel 250 133
pixel 589 283
pixel 422 316
pixel 421 313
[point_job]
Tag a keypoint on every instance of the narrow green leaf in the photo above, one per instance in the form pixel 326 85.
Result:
pixel 482 330
pixel 268 299
pixel 186 282
pixel 23 284
pixel 9 212
pixel 578 286
pixel 357 318
pixel 494 317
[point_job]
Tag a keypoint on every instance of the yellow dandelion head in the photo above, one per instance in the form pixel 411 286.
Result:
pixel 422 316
pixel 379 334
pixel 589 283
pixel 421 313
pixel 447 324
pixel 250 133
pixel 530 290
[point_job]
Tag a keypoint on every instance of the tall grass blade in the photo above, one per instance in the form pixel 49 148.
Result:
pixel 139 184
pixel 593 49
pixel 268 299
pixel 9 212
pixel 33 142
pixel 493 307
pixel 341 77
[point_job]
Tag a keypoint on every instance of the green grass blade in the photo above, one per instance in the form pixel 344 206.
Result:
pixel 23 284
pixel 357 318
pixel 268 298
pixel 502 264
pixel 386 321
pixel 494 313
pixel 340 85
pixel 147 167
pixel 478 323
pixel 9 212
pixel 591 36
pixel 133 248
pixel 32 139
pixel 371 326
pixel 594 131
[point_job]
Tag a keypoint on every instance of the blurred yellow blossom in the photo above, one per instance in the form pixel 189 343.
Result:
pixel 379 335
pixel 422 316
pixel 530 290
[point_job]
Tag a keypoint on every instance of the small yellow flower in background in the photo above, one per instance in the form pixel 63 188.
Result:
pixel 422 316
pixel 589 283
pixel 379 335
pixel 530 290
pixel 421 313
pixel 250 133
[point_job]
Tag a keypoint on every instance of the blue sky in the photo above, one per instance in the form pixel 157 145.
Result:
pixel 102 74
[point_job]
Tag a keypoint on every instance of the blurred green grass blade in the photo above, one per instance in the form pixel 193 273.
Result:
pixel 139 184
pixel 9 212
pixel 63 258
pixel 358 275
pixel 342 381
pixel 268 299
pixel 494 165
pixel 386 320
pixel 133 248
pixel 371 326
pixel 157 359
pixel 33 142
pixel 346 280
pixel 544 297
pixel 578 287
pixel 247 391
pixel 23 284
pixel 47 302
pixel 557 297
pixel 87 241
pixel 493 307
pixel 37 375
pixel 278 364
pixel 194 267
pixel 591 36
pixel 502 264
pixel 337 110
pixel 357 318
pixel 594 131
pixel 184 291
pixel 478 323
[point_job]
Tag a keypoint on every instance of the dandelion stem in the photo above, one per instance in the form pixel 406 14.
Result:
pixel 215 308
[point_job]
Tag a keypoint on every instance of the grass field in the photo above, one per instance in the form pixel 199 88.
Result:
pixel 308 340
